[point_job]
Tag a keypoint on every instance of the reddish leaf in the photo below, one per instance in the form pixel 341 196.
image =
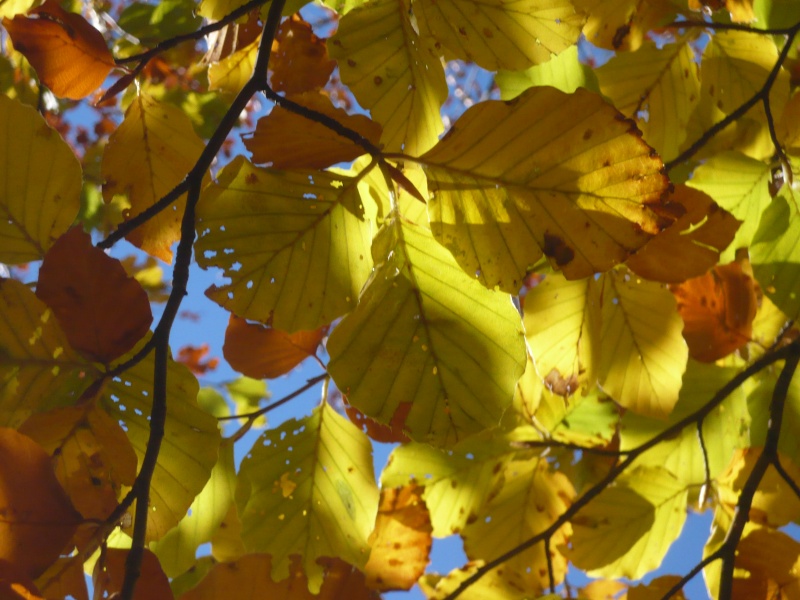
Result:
pixel 193 357
pixel 152 584
pixel 102 310
pixel 38 519
pixel 265 353
pixel 300 61
pixel 386 434
pixel 718 309
pixel 70 56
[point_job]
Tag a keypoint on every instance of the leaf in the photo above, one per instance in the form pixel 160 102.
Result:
pixel 692 244
pixel 149 154
pixel 92 458
pixel 766 566
pixel 38 519
pixel 194 358
pixel 530 500
pixel 513 180
pixel 39 187
pixel 564 72
pixel 226 543
pixel 562 328
pixel 247 394
pixel 110 573
pixel 628 528
pixel 11 8
pixel 307 488
pixel 285 140
pixel 262 352
pixel 658 87
pixel 69 55
pixel 438 587
pixel 401 540
pixel 623 25
pixel 738 184
pixel 386 434
pixel 101 309
pixel 426 333
pixel 644 354
pixel 63 579
pixel 758 402
pixel 717 309
pixel 38 368
pixel 191 438
pixel 392 71
pixel 456 482
pixel 294 244
pixel 588 420
pixel 300 63
pixel 232 72
pixel 176 550
pixel 503 35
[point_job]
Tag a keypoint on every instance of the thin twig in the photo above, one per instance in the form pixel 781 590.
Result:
pixel 706 469
pixel 727 27
pixel 689 576
pixel 550 444
pixel 776 462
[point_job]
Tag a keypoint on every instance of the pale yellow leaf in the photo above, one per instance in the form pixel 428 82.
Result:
pixel 232 72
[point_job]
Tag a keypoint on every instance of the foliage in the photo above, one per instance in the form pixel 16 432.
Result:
pixel 571 309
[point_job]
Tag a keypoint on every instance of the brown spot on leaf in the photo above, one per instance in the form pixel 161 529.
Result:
pixel 351 62
pixel 557 249
pixel 620 34
pixel 251 179
pixel 587 134
pixel 378 80
pixel 462 31
pixel 559 385
pixel 488 32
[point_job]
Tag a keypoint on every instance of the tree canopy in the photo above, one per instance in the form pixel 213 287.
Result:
pixel 549 249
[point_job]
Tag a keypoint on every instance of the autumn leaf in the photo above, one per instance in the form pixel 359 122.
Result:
pixel 69 55
pixel 110 571
pixel 232 72
pixel 300 62
pixel 386 434
pixel 623 25
pixel 194 357
pixel 767 562
pixel 101 309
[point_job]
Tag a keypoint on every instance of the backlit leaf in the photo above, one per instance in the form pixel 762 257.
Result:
pixel 558 174
pixel 628 528
pixel 262 352
pixel 502 35
pixel 38 519
pixel 426 333
pixel 717 309
pixel 11 8
pixel 767 565
pixel 758 403
pixel 149 154
pixel 286 140
pixel 294 244
pixel 300 62
pixel 39 186
pixel 393 72
pixel 587 420
pixel 623 25
pixel 644 354
pixel 69 55
pixel 564 72
pixel 102 310
pixel 110 573
pixel 232 72
pixel 63 579
pixel 307 488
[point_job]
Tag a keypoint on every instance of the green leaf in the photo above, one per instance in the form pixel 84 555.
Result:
pixel 40 185
pixel 548 173
pixel 308 488
pixel 294 243
pixel 189 449
pixel 776 13
pixel 176 550
pixel 38 368
pixel 247 394
pixel 589 420
pixel 502 35
pixel 393 72
pixel 740 185
pixel 151 24
pixel 564 72
pixel 627 530
pixel 656 87
pixel 426 333
pixel 644 353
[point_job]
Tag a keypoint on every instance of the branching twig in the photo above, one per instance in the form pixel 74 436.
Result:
pixel 776 462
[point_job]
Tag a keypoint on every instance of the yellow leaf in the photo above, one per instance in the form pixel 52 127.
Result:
pixel 547 172
pixel 502 35
pixel 331 511
pixel 232 72
pixel 393 72
pixel 36 205
pixel 151 151
pixel 623 24
pixel 295 244
pixel 426 333
pixel 11 8
pixel 644 354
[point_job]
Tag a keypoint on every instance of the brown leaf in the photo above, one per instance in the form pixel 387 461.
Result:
pixel 102 310
pixel 386 434
pixel 64 579
pixel 767 564
pixel 194 358
pixel 287 140
pixel 717 309
pixel 69 55
pixel 691 245
pixel 110 573
pixel 265 353
pixel 401 540
pixel 299 60
pixel 38 519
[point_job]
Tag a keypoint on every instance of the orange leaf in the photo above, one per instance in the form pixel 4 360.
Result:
pixel 265 353
pixel 38 519
pixel 152 584
pixel 386 434
pixel 691 245
pixel 192 357
pixel 300 62
pixel 717 309
pixel 64 578
pixel 287 140
pixel 401 540
pixel 70 56
pixel 102 310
